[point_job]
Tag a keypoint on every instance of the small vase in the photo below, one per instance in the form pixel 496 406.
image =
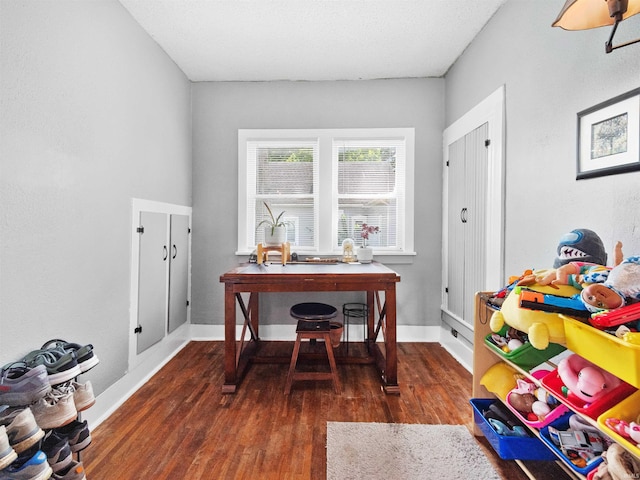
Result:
pixel 365 254
pixel 278 237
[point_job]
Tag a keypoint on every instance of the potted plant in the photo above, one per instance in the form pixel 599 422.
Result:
pixel 365 254
pixel 275 229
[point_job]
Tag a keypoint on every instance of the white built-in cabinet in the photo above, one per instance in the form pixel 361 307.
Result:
pixel 467 202
pixel 473 200
pixel 160 272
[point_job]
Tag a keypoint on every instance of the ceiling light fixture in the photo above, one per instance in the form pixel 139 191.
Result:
pixel 587 14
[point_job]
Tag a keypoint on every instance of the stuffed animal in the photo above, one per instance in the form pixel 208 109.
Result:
pixel 580 245
pixel 541 327
pixel 584 380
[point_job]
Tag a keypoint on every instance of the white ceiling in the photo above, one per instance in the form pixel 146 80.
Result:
pixel 261 40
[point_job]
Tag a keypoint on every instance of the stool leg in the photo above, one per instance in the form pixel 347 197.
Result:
pixel 346 329
pixel 292 365
pixel 332 362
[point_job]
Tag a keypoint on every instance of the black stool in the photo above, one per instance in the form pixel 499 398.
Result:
pixel 313 323
pixel 355 311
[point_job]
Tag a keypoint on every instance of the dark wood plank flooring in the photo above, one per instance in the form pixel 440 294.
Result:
pixel 179 425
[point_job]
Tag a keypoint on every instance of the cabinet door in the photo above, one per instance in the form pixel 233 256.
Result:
pixel 178 271
pixel 152 280
pixel 456 235
pixel 467 211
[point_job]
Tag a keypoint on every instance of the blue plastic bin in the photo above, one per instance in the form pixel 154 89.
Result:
pixel 507 447
pixel 562 423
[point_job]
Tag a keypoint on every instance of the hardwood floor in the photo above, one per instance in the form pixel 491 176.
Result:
pixel 180 426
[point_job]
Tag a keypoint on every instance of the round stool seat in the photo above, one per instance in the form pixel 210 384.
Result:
pixel 313 311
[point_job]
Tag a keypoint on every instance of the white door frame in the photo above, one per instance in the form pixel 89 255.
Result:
pixel 492 111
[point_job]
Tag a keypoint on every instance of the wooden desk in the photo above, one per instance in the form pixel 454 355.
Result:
pixel 254 279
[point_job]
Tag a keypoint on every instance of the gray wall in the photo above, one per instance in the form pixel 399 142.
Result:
pixel 93 114
pixel 220 109
pixel 549 75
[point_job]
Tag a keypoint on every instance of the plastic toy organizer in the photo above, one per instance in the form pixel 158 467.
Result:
pixel 506 446
pixel 604 349
pixel 618 357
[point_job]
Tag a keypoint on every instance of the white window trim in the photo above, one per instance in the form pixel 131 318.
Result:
pixel 327 210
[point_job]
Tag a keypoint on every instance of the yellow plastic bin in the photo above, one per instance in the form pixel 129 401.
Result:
pixel 605 350
pixel 627 410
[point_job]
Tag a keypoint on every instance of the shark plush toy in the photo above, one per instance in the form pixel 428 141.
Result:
pixel 580 245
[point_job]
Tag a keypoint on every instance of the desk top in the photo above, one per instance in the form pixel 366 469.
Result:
pixel 252 272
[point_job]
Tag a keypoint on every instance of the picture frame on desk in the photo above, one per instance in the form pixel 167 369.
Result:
pixel 609 137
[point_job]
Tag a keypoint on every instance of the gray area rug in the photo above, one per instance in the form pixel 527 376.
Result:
pixel 403 452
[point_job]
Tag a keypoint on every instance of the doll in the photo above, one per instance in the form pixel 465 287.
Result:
pixel 621 287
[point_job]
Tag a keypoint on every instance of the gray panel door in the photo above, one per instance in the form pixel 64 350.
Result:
pixel 152 279
pixel 178 271
pixel 467 212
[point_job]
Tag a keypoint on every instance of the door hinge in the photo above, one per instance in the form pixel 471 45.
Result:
pixel 189 230
pixel 140 229
pixel 487 142
pixel 138 329
pixel 447 163
pixel 446 289
pixel 187 303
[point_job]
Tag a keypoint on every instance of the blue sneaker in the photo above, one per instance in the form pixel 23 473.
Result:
pixel 34 468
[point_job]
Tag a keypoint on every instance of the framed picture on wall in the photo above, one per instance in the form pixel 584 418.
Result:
pixel 609 137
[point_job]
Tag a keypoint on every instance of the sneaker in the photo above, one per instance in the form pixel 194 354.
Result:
pixel 77 434
pixel 56 409
pixel 83 395
pixel 61 366
pixel 22 430
pixel 84 353
pixel 74 472
pixel 29 468
pixel 57 450
pixel 7 453
pixel 21 385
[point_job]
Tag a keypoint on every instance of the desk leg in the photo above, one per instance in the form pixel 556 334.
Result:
pixel 390 345
pixel 230 366
pixel 387 363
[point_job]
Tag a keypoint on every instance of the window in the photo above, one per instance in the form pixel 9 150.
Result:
pixel 327 183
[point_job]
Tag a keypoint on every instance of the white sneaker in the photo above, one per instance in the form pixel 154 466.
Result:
pixel 56 409
pixel 21 428
pixel 7 453
pixel 83 395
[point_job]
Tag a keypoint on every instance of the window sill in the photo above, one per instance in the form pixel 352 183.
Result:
pixel 387 258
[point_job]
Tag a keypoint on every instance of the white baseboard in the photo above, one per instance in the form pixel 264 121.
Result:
pixel 404 333
pixel 458 347
pixel 158 355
